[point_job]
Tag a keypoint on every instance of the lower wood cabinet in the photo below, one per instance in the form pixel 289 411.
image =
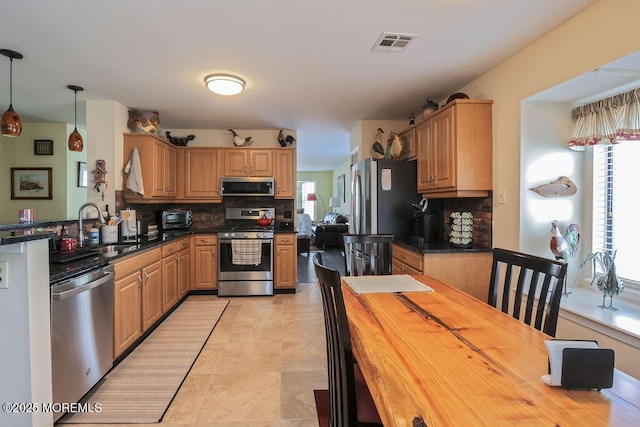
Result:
pixel 205 262
pixel 468 271
pixel 184 266
pixel 285 261
pixel 169 275
pixel 406 261
pixel 137 297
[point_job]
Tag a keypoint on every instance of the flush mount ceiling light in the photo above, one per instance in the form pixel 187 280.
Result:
pixel 11 123
pixel 75 139
pixel 224 84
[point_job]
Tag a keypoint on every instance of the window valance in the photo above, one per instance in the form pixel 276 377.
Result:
pixel 607 121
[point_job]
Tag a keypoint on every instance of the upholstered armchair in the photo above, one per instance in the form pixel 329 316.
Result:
pixel 329 231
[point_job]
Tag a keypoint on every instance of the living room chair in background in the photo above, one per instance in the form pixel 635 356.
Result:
pixel 304 233
pixel 539 285
pixel 368 254
pixel 350 402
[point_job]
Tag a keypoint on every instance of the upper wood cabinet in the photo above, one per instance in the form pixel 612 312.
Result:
pixel 158 161
pixel 247 162
pixel 285 173
pixel 201 173
pixel 454 150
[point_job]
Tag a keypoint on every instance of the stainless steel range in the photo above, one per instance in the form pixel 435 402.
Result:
pixel 245 253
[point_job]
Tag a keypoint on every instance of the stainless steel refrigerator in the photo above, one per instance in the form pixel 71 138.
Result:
pixel 382 192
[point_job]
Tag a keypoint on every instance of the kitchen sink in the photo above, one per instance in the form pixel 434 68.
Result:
pixel 118 249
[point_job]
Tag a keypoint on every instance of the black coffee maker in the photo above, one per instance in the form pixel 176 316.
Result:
pixel 426 223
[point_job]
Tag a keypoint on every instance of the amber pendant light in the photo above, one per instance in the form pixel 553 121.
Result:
pixel 11 123
pixel 75 139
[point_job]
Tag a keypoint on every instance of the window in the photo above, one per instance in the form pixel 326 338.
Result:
pixel 304 188
pixel 616 206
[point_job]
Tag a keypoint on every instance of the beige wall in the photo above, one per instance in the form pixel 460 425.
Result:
pixel 576 47
pixel 324 187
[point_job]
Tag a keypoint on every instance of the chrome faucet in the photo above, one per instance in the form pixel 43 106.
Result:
pixel 80 226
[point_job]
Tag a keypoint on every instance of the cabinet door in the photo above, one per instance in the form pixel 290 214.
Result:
pixel 159 169
pixel 425 156
pixel 170 166
pixel 202 178
pixel 169 282
pixel 260 163
pixel 444 146
pixel 285 268
pixel 206 265
pixel 184 259
pixel 127 312
pixel 151 294
pixel 285 174
pixel 235 162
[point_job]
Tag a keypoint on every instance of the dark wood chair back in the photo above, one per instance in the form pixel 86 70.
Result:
pixel 368 254
pixel 539 285
pixel 342 385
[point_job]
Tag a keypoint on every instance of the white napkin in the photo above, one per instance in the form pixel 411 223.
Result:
pixel 133 168
pixel 385 284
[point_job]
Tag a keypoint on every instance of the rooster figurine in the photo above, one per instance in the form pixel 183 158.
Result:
pixel 564 247
pixel 138 120
pixel 285 140
pixel 395 146
pixel 377 144
pixel 237 140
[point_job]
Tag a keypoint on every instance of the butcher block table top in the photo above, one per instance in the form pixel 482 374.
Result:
pixel 445 358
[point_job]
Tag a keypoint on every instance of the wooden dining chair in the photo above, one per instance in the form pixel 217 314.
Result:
pixel 368 254
pixel 539 286
pixel 350 402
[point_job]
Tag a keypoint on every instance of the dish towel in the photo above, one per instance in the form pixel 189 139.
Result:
pixel 133 168
pixel 246 251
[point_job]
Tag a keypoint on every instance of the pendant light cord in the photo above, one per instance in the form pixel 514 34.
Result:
pixel 75 109
pixel 10 81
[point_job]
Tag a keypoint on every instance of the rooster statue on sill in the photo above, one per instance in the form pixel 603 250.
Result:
pixel 564 247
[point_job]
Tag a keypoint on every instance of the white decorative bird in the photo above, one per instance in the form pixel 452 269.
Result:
pixel 237 140
pixel 395 145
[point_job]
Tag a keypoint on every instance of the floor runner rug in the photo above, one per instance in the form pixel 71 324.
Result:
pixel 322 406
pixel 141 387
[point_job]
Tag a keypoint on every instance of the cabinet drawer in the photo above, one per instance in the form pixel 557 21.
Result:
pixel 206 239
pixel 169 249
pixel 125 266
pixel 402 268
pixel 183 244
pixel 285 239
pixel 408 257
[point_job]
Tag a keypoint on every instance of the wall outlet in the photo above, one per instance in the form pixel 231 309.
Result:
pixel 4 275
pixel 502 196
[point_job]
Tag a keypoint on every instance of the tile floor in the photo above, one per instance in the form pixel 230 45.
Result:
pixel 259 367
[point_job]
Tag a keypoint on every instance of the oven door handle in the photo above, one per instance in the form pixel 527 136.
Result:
pixel 108 276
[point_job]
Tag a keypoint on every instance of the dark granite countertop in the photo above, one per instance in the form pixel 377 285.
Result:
pixel 17 236
pixel 438 247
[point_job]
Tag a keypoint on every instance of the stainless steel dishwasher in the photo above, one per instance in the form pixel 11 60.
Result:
pixel 81 333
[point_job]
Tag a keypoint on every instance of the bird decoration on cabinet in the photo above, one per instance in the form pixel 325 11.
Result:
pixel 238 141
pixel 378 146
pixel 137 120
pixel 285 140
pixel 395 146
pixel 564 247
pixel 180 141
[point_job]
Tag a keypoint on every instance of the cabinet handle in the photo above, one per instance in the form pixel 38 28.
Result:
pixel 146 274
pixel 285 240
pixel 205 240
pixel 177 259
pixel 213 253
pixel 139 278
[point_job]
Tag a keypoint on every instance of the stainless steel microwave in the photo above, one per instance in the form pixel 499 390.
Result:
pixel 247 186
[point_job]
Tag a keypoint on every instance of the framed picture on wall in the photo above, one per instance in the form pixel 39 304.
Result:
pixel 82 174
pixel 31 183
pixel 341 194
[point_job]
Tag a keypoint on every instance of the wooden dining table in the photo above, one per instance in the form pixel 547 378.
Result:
pixel 444 358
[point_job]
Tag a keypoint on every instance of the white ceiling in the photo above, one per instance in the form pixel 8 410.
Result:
pixel 308 65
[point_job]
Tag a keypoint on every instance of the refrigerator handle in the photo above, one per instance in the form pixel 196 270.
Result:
pixel 357 192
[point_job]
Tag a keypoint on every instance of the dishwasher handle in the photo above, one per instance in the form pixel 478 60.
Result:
pixel 108 276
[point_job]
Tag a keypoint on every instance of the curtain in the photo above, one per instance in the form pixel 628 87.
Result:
pixel 607 121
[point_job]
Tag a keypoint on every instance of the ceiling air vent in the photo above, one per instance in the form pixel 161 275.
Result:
pixel 393 42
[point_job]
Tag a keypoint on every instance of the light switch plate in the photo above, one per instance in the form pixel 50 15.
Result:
pixel 4 275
